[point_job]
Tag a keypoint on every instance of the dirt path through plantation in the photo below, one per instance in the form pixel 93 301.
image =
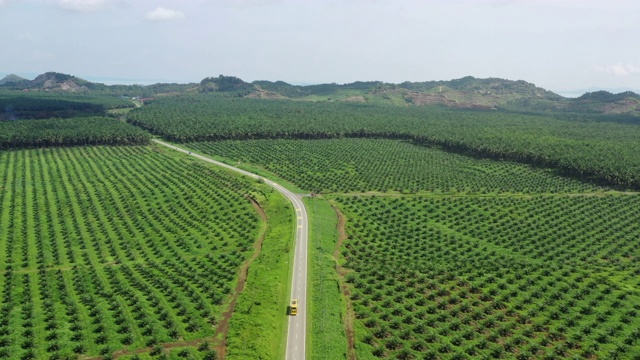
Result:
pixel 219 340
pixel 346 292
pixel 222 331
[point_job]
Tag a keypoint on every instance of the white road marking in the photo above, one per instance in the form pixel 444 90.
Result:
pixel 292 352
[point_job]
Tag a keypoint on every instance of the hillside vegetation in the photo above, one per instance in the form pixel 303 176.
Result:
pixel 11 79
pixel 72 85
pixel 43 105
pixel 464 93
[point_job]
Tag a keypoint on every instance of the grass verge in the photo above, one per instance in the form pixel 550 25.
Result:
pixel 258 327
pixel 327 338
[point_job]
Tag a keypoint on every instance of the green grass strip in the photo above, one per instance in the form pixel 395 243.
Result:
pixel 327 338
pixel 258 327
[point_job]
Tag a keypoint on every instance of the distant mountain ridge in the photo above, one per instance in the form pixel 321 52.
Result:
pixel 608 96
pixel 12 79
pixel 47 81
pixel 59 82
pixel 464 93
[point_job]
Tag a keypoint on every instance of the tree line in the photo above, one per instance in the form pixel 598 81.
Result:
pixel 69 132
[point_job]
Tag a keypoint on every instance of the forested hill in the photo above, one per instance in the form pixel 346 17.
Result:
pixel 65 83
pixel 12 78
pixel 465 93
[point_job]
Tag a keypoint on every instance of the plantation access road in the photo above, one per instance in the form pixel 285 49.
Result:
pixel 296 334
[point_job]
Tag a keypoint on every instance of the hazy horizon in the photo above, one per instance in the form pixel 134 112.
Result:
pixel 566 47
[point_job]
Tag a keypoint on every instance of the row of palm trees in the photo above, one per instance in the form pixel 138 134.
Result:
pixel 604 151
pixel 69 132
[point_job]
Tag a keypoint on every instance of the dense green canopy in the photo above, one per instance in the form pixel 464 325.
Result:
pixel 586 148
pixel 66 132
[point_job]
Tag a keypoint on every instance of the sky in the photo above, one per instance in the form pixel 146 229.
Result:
pixel 566 46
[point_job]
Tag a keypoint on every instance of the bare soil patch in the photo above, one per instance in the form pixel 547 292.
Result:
pixel 222 330
pixel 358 98
pixel 260 93
pixel 346 292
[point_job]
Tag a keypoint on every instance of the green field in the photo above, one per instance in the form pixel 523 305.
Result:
pixel 110 249
pixel 259 325
pixel 327 338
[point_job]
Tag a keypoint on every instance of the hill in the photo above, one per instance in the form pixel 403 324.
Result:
pixel 225 84
pixel 49 81
pixel 464 93
pixel 64 83
pixel 12 79
pixel 606 102
pixel 58 81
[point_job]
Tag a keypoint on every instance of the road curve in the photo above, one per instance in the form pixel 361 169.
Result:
pixel 296 333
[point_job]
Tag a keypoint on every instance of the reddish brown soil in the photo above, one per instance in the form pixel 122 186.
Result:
pixel 223 326
pixel 346 292
pixel 165 346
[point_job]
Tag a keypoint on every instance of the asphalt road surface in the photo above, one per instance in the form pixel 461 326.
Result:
pixel 296 334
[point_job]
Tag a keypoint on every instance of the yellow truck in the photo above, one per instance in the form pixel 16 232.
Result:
pixel 294 307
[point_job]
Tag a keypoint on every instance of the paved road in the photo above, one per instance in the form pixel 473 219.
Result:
pixel 296 335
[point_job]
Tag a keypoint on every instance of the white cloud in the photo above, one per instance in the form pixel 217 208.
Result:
pixel 163 14
pixel 82 5
pixel 620 69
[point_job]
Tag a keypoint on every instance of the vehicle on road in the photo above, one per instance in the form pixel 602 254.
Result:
pixel 296 338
